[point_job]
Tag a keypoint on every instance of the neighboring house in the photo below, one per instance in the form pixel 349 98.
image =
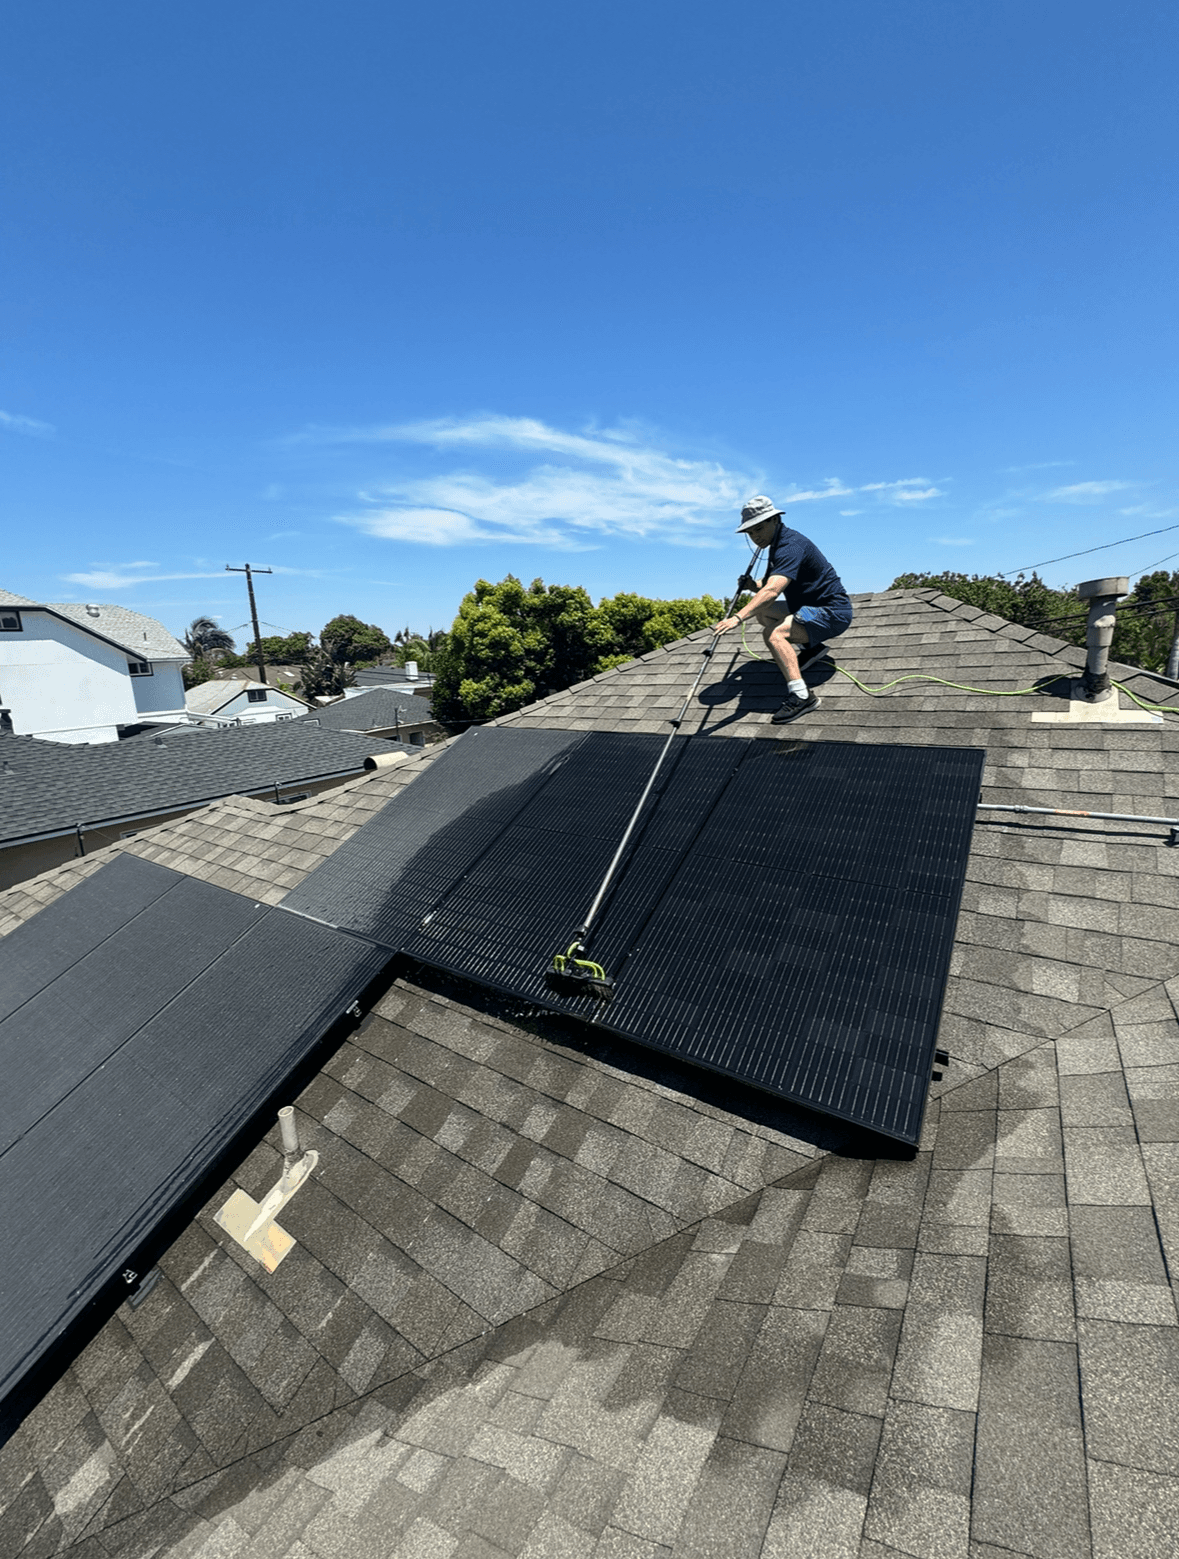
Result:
pixel 57 801
pixel 554 1294
pixel 384 711
pixel 76 673
pixel 407 677
pixel 241 701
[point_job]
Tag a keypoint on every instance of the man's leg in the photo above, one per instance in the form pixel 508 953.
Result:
pixel 782 632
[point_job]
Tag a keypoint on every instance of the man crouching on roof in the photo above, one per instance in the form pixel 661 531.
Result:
pixel 814 608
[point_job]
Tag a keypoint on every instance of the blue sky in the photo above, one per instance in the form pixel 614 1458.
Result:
pixel 391 298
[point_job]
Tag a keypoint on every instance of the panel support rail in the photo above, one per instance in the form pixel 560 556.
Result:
pixel 1106 817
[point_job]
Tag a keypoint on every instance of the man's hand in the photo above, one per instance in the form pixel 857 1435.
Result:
pixel 726 624
pixel 747 582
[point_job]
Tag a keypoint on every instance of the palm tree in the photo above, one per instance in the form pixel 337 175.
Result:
pixel 203 636
pixel 324 672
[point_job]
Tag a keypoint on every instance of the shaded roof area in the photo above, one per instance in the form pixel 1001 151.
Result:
pixel 553 1296
pixel 375 710
pixel 50 787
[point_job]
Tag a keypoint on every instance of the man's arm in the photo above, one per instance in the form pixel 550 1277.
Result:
pixel 772 588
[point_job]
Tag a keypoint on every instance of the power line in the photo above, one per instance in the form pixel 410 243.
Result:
pixel 1085 551
pixel 1137 606
pixel 1149 566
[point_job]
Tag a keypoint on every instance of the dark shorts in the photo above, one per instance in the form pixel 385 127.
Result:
pixel 824 622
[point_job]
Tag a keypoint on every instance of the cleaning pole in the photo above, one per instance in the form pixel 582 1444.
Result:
pixel 571 970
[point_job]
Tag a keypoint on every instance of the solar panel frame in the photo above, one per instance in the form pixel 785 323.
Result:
pixel 866 844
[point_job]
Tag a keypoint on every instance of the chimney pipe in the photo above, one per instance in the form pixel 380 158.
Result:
pixel 1102 596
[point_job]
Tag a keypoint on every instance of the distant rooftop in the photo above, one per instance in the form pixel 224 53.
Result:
pixel 376 709
pixel 51 787
pixel 134 632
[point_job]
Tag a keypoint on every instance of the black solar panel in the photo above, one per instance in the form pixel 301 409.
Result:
pixel 166 1012
pixel 785 914
pixel 382 881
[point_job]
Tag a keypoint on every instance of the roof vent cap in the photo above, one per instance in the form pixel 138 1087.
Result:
pixel 91 609
pixel 158 741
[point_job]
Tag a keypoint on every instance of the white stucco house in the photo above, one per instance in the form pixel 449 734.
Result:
pixel 241 702
pixel 71 672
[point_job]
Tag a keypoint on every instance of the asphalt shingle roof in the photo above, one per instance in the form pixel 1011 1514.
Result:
pixel 376 710
pixel 132 631
pixel 48 787
pixel 553 1296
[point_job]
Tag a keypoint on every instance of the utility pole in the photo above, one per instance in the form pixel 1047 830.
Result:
pixel 249 571
pixel 1172 670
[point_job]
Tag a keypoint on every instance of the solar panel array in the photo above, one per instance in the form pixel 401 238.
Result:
pixel 144 1018
pixel 785 914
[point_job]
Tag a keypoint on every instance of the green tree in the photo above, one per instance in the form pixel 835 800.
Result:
pixel 511 644
pixel 323 673
pixel 288 650
pixel 196 672
pixel 358 643
pixel 425 648
pixel 631 625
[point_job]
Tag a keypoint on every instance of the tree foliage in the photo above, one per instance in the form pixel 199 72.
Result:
pixel 1148 618
pixel 424 648
pixel 512 644
pixel 323 673
pixel 196 672
pixel 358 643
pixel 204 637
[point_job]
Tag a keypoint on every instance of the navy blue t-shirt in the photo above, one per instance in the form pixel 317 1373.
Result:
pixel 813 582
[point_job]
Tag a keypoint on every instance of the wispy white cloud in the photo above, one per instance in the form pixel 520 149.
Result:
pixel 917 494
pixel 10 422
pixel 616 483
pixel 833 489
pixel 1039 465
pixel 117 578
pixel 565 490
pixel 1085 492
pixel 846 514
pixel 910 489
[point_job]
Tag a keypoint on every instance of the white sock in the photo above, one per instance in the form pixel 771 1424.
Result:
pixel 798 688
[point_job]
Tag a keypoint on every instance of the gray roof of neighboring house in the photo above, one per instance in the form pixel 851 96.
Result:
pixel 50 787
pixel 133 632
pixel 555 1295
pixel 375 710
pixel 395 676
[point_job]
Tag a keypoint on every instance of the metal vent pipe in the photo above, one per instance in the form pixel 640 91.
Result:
pixel 1102 596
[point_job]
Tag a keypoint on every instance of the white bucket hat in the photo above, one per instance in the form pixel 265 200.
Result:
pixel 756 511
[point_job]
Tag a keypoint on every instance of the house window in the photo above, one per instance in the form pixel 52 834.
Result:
pixel 139 668
pixel 9 621
pixel 256 695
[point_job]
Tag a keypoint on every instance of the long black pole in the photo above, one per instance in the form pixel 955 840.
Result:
pixel 709 650
pixel 249 571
